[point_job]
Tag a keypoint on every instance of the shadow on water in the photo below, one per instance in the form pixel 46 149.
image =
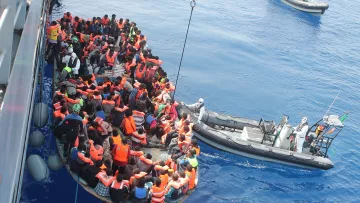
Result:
pixel 311 19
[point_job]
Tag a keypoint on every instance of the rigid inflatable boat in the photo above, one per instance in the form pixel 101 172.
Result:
pixel 264 140
pixel 309 6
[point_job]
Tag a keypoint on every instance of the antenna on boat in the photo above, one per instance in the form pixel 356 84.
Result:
pixel 332 104
pixel 192 5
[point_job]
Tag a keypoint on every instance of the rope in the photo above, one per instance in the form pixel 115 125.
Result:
pixel 77 189
pixel 192 5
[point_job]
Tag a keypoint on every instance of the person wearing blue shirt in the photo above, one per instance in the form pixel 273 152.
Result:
pixel 100 113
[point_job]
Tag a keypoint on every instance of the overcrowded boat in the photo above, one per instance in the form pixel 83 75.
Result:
pixel 116 126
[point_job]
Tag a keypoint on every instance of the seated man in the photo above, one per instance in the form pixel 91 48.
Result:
pixel 190 159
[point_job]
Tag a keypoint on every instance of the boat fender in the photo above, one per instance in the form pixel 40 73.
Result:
pixel 37 167
pixel 40 114
pixel 55 162
pixel 74 153
pixel 37 139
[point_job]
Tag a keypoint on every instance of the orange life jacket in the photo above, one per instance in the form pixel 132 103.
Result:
pixel 171 164
pixel 111 60
pixel 121 153
pixel 72 101
pixel 53 32
pixel 105 21
pixel 97 97
pixel 68 17
pixel 99 120
pixel 140 71
pixel 82 157
pixel 129 125
pixel 158 194
pixel 137 176
pixel 108 102
pixel 58 114
pixel 57 106
pixel 96 152
pixel 192 177
pixel 158 168
pixel 119 186
pixel 106 180
pixel 117 140
pixel 136 153
pixel 164 180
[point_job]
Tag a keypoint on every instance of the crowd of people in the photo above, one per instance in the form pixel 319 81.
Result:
pixel 106 124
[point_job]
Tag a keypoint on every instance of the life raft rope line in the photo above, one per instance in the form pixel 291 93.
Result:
pixel 192 5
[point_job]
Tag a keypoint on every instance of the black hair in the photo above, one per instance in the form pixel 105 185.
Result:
pixel 157 182
pixel 141 182
pixel 119 178
pixel 109 172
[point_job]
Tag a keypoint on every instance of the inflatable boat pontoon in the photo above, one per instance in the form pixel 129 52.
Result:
pixel 309 6
pixel 264 140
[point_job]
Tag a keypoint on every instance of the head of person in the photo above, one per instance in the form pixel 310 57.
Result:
pixel 124 140
pixel 68 14
pixel 98 108
pixel 189 167
pixel 63 89
pixel 109 172
pixel 99 163
pixel 109 98
pixel 140 131
pixel 157 182
pixel 175 177
pixel 182 137
pixel 115 133
pixel 162 163
pixel 194 142
pixel 106 16
pixel 201 101
pixel 192 152
pixel 148 156
pixel 53 23
pixel 184 116
pixel 182 174
pixel 186 129
pixel 132 161
pixel 119 178
pixel 303 120
pixel 63 109
pixel 128 113
pixel 136 171
pixel 141 182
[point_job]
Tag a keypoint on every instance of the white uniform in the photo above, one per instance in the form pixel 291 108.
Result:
pixel 198 107
pixel 300 135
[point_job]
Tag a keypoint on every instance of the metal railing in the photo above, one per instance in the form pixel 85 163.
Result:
pixel 12 16
pixel 16 114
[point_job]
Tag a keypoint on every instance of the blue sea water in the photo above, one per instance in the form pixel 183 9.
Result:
pixel 252 59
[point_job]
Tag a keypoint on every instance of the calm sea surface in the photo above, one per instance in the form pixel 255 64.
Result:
pixel 253 59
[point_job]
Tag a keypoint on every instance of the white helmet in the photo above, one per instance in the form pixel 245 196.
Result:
pixel 201 100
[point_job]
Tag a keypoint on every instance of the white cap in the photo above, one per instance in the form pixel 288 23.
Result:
pixel 304 119
pixel 73 55
pixel 70 50
pixel 201 100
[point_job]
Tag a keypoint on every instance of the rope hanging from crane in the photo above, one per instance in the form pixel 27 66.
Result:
pixel 192 5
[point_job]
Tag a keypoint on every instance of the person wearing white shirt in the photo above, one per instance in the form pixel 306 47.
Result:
pixel 301 131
